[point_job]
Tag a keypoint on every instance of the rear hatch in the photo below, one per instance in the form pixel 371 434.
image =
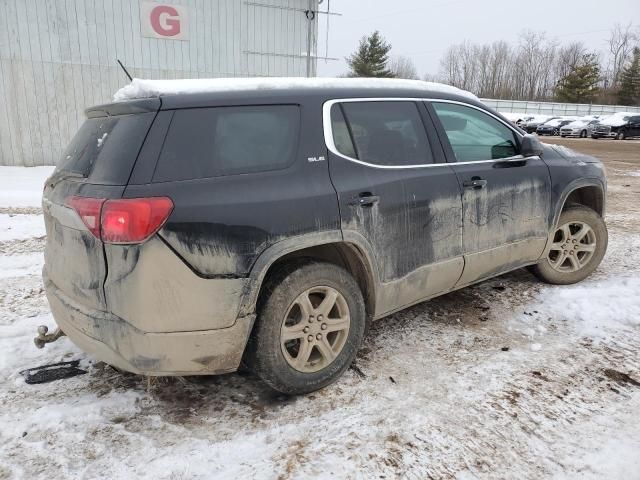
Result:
pixel 96 166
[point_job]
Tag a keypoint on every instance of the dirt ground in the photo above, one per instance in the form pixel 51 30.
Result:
pixel 506 379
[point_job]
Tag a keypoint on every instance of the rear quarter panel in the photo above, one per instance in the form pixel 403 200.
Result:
pixel 220 225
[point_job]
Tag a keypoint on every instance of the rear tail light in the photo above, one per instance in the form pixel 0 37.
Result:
pixel 131 220
pixel 89 211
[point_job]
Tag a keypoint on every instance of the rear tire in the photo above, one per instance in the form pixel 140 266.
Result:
pixel 578 246
pixel 311 323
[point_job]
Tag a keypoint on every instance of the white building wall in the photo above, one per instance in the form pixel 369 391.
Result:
pixel 58 57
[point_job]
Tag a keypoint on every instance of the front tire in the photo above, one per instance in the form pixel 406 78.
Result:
pixel 583 134
pixel 621 135
pixel 578 246
pixel 310 326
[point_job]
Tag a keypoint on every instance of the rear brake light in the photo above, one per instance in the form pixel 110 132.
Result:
pixel 131 220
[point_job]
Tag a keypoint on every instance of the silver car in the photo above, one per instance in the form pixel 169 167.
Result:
pixel 579 128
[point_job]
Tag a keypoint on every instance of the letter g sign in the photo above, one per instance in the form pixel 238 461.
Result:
pixel 163 21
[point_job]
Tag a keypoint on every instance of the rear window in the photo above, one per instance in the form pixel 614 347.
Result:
pixel 105 149
pixel 213 142
pixel 381 132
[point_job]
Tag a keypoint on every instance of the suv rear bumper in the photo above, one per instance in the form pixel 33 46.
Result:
pixel 118 343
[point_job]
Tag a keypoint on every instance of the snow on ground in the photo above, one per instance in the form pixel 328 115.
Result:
pixel 20 226
pixel 506 379
pixel 21 265
pixel 596 308
pixel 22 187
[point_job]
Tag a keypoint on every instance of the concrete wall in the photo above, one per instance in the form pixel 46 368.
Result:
pixel 58 57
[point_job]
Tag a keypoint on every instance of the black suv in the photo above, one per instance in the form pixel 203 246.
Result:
pixel 628 127
pixel 190 232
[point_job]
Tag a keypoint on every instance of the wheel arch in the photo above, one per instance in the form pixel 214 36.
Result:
pixel 328 247
pixel 589 193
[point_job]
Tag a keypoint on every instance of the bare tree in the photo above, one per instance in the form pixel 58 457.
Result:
pixel 403 67
pixel 532 69
pixel 622 40
pixel 568 57
pixel 433 77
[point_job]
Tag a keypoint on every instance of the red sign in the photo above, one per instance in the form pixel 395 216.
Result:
pixel 163 21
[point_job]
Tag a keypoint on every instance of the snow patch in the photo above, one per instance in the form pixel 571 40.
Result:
pixel 595 309
pixel 12 266
pixel 141 88
pixel 102 139
pixel 22 186
pixel 21 227
pixel 535 347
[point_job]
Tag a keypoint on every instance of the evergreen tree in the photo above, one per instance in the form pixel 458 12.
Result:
pixel 371 58
pixel 580 85
pixel 629 93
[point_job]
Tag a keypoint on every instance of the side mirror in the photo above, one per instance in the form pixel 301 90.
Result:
pixel 531 146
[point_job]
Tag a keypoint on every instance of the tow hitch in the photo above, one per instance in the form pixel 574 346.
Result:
pixel 45 337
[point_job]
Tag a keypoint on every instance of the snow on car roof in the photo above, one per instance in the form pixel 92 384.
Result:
pixel 616 119
pixel 141 88
pixel 578 123
pixel 513 116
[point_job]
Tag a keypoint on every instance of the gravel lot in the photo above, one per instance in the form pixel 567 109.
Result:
pixel 506 379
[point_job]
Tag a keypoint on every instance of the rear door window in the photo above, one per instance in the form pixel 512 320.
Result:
pixel 212 142
pixel 105 149
pixel 381 132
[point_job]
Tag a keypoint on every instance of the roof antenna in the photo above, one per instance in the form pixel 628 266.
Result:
pixel 125 70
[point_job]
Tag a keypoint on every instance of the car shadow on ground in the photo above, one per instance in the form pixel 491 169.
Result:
pixel 182 400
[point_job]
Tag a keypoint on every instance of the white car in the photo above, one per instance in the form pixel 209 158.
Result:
pixel 582 128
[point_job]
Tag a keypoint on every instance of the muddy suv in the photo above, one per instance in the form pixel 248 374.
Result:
pixel 269 222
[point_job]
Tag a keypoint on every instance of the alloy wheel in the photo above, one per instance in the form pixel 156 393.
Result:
pixel 315 329
pixel 573 247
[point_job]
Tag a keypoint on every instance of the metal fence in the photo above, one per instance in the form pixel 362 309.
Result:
pixel 551 108
pixel 58 57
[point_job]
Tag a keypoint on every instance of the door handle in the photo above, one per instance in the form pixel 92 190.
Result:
pixel 475 183
pixel 365 199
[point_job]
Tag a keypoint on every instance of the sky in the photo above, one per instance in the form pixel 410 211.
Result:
pixel 424 29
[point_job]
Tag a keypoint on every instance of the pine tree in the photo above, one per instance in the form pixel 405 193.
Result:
pixel 629 93
pixel 371 58
pixel 580 85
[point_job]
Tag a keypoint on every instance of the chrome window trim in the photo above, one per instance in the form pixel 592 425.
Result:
pixel 330 144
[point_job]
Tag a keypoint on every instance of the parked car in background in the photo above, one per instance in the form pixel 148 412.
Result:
pixel 532 123
pixel 514 117
pixel 580 128
pixel 619 126
pixel 553 126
